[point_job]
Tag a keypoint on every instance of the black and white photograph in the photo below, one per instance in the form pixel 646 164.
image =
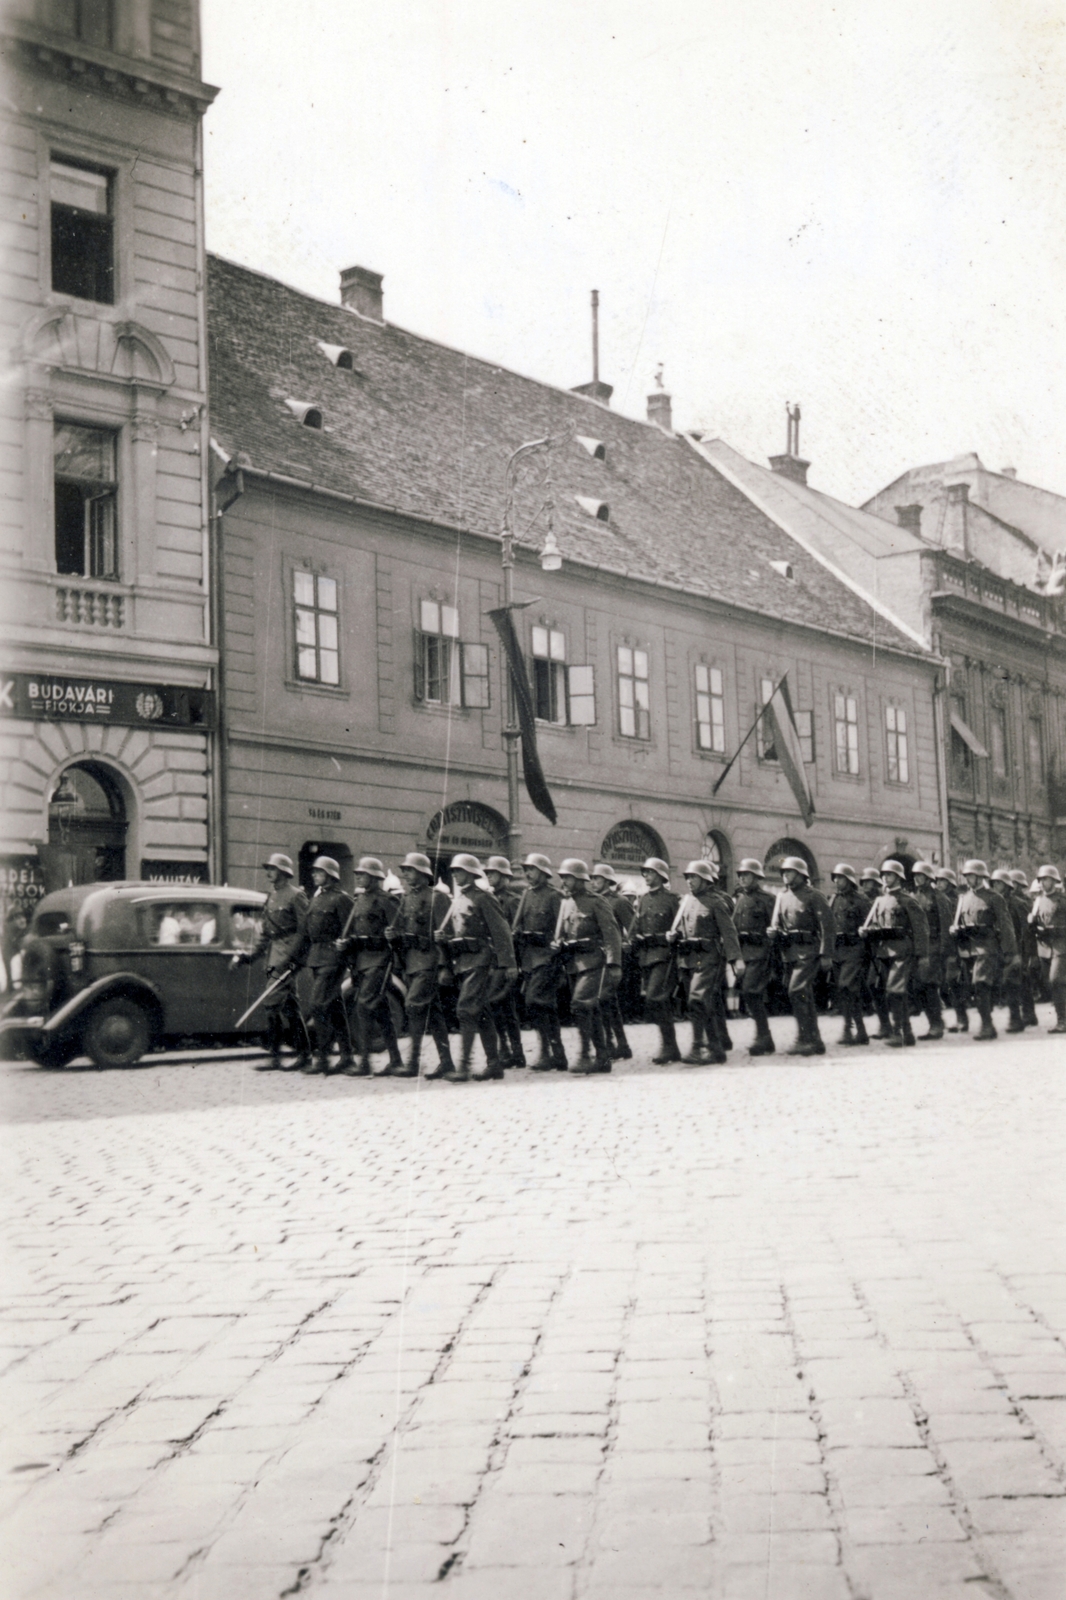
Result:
pixel 533 761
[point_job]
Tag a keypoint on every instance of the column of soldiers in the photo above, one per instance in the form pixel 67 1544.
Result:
pixel 890 950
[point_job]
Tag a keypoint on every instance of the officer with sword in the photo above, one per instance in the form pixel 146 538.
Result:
pixel 280 935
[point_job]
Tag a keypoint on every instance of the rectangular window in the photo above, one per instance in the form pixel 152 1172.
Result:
pixel 83 255
pixel 1036 750
pixel 805 729
pixel 767 748
pixel 448 672
pixel 896 736
pixel 846 733
pixel 997 727
pixel 710 708
pixel 549 675
pixel 90 21
pixel 634 704
pixel 86 496
pixel 317 642
pixel 581 695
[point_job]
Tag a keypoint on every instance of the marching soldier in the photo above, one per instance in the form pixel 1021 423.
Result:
pixel 604 882
pixel 587 937
pixel 1048 921
pixel 282 928
pixel 954 972
pixel 1029 978
pixel 654 918
pixel 478 941
pixel 535 921
pixel 324 926
pixel 705 939
pixel 421 912
pixel 899 936
pixel 753 910
pixel 984 933
pixel 803 925
pixel 367 951
pixel 502 992
pixel 1014 974
pixel 850 908
pixel 870 888
pixel 938 914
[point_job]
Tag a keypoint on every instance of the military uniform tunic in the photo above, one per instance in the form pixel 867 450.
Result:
pixel 984 933
pixel 1048 922
pixel 705 940
pixel 324 924
pixel 850 910
pixel 654 918
pixel 899 936
pixel 590 942
pixel 478 941
pixel 534 929
pixel 420 913
pixel 281 932
pixel 806 932
pixel 753 911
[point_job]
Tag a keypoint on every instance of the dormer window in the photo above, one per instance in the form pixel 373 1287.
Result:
pixel 594 508
pixel 305 412
pixel 337 354
pixel 83 232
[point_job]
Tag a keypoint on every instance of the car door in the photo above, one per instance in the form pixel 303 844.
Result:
pixel 243 983
pixel 187 957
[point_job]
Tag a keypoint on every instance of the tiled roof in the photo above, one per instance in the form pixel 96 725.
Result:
pixel 426 430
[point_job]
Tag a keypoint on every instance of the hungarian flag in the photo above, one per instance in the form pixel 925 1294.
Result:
pixel 536 787
pixel 787 748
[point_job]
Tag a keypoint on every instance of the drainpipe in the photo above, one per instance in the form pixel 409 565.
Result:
pixel 233 480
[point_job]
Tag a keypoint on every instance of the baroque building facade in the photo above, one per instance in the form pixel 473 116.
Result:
pixel 108 678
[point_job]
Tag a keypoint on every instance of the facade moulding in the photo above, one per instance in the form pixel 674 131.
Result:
pixel 101 72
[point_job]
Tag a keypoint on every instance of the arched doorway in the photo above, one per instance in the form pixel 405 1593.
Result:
pixel 789 847
pixel 468 826
pixel 87 827
pixel 341 854
pixel 719 852
pixel 630 843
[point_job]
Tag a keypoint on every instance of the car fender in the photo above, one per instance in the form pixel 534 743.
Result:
pixel 113 983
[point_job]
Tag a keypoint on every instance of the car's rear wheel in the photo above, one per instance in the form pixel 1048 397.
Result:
pixel 117 1033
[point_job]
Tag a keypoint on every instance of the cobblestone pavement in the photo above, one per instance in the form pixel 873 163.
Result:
pixel 776 1331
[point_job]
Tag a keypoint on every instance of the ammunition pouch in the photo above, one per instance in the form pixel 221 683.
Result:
pixel 653 941
pixel 579 947
pixel 756 939
pixel 533 941
pixel 464 947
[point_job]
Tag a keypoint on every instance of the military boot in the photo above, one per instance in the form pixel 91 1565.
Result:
pixel 1058 997
pixel 983 1001
pixel 697 1052
pixel 1015 1023
pixel 861 1036
pixel 668 1050
pixel 584 1063
pixel 544 1061
pixel 763 1043
pixel 460 1073
pixel 490 1043
pixel 934 1016
pixel 410 1070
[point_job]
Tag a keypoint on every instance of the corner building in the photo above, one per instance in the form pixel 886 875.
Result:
pixel 107 691
pixel 365 471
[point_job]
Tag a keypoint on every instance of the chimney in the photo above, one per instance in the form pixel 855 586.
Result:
pixel 600 392
pixel 910 517
pixel 791 464
pixel 361 293
pixel 659 409
pixel 956 529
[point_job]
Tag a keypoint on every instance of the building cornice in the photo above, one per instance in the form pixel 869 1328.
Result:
pixel 948 603
pixel 135 81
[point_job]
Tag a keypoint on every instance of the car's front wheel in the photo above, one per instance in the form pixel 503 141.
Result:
pixel 117 1033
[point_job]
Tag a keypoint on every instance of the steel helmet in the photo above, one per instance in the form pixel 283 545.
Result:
pixel 371 866
pixel 326 864
pixel 1050 872
pixel 842 870
pixel 749 864
pixel 796 864
pixel 602 870
pixel 1002 875
pixel 467 863
pixel 892 865
pixel 420 863
pixel 535 859
pixel 282 862
pixel 974 868
pixel 869 875
pixel 573 868
pixel 926 869
pixel 946 875
pixel 499 864
pixel 701 869
pixel 653 864
pixel 1018 876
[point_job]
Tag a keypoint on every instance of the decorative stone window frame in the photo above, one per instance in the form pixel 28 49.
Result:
pixel 119 164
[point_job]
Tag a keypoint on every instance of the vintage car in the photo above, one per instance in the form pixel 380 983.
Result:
pixel 111 970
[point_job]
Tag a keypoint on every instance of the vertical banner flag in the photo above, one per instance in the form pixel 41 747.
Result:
pixel 536 787
pixel 789 751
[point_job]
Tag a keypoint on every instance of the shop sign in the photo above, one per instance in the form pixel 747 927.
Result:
pixel 466 825
pixel 174 871
pixel 21 883
pixel 630 844
pixel 53 698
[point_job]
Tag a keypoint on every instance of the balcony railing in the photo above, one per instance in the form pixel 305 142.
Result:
pixel 94 608
pixel 977 584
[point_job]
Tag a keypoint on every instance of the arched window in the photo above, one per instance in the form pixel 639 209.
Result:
pixel 789 847
pixel 629 844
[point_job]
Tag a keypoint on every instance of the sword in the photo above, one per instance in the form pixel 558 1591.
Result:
pixel 269 990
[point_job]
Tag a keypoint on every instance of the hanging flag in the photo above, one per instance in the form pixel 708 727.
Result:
pixel 787 748
pixel 536 787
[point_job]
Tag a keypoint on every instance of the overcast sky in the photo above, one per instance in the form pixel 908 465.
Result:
pixel 859 206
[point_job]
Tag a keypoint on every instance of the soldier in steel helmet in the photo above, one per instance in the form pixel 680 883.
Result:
pixel 367 951
pixel 984 934
pixel 1030 979
pixel 873 976
pixel 503 992
pixel 899 939
pixel 535 919
pixel 938 917
pixel 753 910
pixel 803 928
pixel 280 935
pixel 850 909
pixel 317 950
pixel 478 941
pixel 954 982
pixel 1013 972
pixel 422 909
pixel 705 939
pixel 587 939
pixel 1048 922
pixel 604 882
pixel 654 918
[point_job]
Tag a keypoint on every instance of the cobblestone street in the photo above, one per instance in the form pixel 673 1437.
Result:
pixel 765 1332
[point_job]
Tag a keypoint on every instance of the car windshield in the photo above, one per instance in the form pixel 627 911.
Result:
pixel 184 923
